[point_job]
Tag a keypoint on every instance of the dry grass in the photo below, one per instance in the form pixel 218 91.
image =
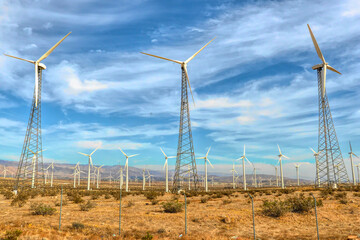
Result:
pixel 210 220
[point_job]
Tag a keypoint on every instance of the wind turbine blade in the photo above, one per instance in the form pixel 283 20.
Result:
pixel 279 149
pixel 244 149
pixel 190 58
pixel 52 49
pixel 165 163
pixel 83 154
pixel 172 157
pixel 123 152
pixel 94 151
pixel 30 61
pixel 163 152
pixel 133 155
pixel 36 82
pixel 210 163
pixel 187 77
pixel 168 59
pixel 200 158
pixel 313 150
pixel 208 152
pixel 31 151
pixel 285 156
pixel 333 69
pixel 355 155
pixel 249 162
pixel 323 80
pixel 316 45
pixel 350 147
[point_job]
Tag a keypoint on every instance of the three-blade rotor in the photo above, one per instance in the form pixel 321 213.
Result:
pixel 206 158
pixel 38 64
pixel 183 64
pixel 324 64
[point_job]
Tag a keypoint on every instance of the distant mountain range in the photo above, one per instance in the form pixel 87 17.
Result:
pixel 65 171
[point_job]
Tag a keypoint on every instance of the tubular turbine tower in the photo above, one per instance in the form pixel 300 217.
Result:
pixel 331 169
pixel 32 147
pixel 185 151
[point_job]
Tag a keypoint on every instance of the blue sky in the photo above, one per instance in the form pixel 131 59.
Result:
pixel 252 85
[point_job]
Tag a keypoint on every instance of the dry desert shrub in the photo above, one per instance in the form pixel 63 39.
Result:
pixel 41 209
pixel 87 206
pixel 274 208
pixel 172 207
pixel 12 235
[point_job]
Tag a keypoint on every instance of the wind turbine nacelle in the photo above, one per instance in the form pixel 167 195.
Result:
pixel 317 66
pixel 42 66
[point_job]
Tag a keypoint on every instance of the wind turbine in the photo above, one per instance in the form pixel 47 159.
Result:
pixel 243 158
pixel 297 166
pixel 276 175
pixel 39 66
pixel 185 154
pixel 328 144
pixel 110 177
pixel 52 173
pixel 316 155
pixel 144 179
pixel 149 176
pixel 34 127
pixel 255 179
pixel 98 175
pixel 5 171
pixel 233 173
pixel 205 162
pixel 90 164
pixel 281 168
pixel 358 172
pixel 166 171
pixel 127 168
pixel 352 163
pixel 34 166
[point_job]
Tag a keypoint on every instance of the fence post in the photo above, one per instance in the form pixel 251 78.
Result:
pixel 120 214
pixel 185 214
pixel 60 206
pixel 253 214
pixel 317 224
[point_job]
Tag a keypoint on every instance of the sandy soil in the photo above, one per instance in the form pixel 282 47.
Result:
pixel 211 220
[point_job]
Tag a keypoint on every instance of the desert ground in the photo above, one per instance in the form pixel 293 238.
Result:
pixel 218 214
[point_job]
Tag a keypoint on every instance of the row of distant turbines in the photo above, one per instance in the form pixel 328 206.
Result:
pixel 330 166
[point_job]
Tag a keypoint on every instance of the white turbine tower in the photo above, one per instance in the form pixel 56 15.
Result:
pixel 358 172
pixel 144 179
pixel 276 175
pixel 5 171
pixel 233 174
pixel 205 161
pixel 352 163
pixel 98 175
pixel 243 158
pixel 297 166
pixel 89 167
pixel 166 170
pixel 127 168
pixel 281 168
pixel 316 155
pixel 34 166
pixel 255 179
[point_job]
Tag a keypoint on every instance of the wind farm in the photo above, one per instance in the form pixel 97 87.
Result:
pixel 254 154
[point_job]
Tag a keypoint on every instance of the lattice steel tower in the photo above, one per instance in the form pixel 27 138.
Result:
pixel 331 164
pixel 30 167
pixel 331 168
pixel 185 157
pixel 185 152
